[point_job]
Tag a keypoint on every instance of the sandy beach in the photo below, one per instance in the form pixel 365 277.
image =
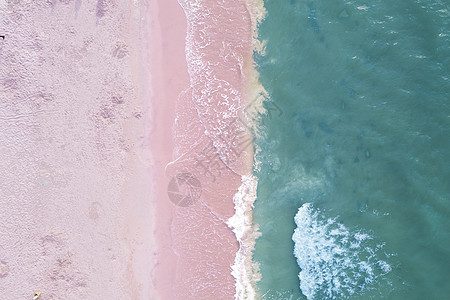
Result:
pixel 168 28
pixel 123 143
pixel 75 218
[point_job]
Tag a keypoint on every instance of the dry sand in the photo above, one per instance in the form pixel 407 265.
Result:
pixel 75 210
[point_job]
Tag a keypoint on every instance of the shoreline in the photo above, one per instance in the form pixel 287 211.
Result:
pixel 245 271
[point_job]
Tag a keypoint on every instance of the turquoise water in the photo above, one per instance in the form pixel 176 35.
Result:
pixel 361 147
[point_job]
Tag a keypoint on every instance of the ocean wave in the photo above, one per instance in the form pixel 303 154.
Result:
pixel 226 95
pixel 335 263
pixel 218 37
pixel 244 270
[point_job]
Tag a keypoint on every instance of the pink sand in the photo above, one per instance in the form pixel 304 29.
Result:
pixel 75 210
pixel 196 248
pixel 98 112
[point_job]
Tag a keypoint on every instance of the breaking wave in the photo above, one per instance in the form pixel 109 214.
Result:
pixel 335 263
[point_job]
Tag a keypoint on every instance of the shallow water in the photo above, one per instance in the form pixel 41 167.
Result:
pixel 359 128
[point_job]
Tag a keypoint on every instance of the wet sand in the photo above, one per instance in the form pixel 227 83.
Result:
pixel 203 147
pixel 169 78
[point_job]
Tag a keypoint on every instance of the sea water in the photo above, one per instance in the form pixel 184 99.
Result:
pixel 353 197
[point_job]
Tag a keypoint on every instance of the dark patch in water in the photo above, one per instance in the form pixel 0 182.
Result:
pixel 312 19
pixel 270 107
pixel 344 14
pixel 360 135
pixel 325 127
pixel 362 205
pixel 303 124
pixel 345 85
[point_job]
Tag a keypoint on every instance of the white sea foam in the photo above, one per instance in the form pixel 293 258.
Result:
pixel 211 64
pixel 244 270
pixel 335 263
pixel 216 44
